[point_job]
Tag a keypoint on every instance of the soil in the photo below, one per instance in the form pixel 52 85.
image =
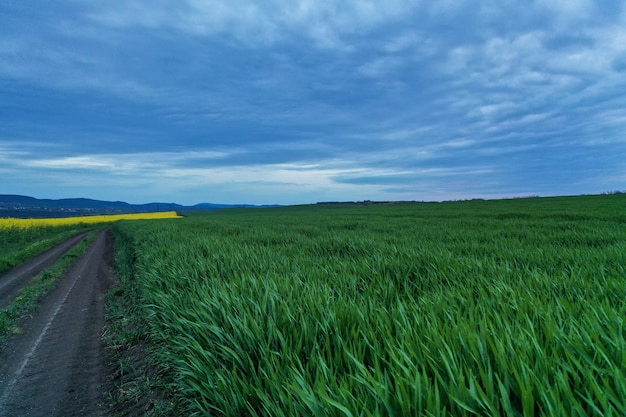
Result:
pixel 57 366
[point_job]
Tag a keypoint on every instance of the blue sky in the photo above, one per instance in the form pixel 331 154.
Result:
pixel 299 101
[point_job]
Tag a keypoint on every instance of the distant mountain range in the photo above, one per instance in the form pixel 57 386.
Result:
pixel 23 206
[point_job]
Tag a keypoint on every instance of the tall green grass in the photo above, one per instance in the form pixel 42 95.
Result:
pixel 490 308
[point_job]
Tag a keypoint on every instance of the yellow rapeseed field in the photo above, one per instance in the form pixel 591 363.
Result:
pixel 11 223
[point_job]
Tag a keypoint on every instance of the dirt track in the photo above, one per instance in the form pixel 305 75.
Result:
pixel 14 280
pixel 56 366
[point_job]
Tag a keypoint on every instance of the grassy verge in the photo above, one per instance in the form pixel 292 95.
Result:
pixel 37 288
pixel 137 386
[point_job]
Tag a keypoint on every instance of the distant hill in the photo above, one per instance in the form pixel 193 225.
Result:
pixel 24 206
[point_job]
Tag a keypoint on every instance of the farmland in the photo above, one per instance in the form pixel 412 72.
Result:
pixel 21 239
pixel 52 313
pixel 503 308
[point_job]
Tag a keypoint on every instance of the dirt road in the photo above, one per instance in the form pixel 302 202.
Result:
pixel 56 366
pixel 18 277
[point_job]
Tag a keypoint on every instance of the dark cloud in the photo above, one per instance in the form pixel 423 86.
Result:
pixel 404 99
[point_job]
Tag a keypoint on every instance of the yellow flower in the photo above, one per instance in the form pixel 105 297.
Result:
pixel 11 223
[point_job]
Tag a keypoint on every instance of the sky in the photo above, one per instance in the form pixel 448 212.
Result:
pixel 300 101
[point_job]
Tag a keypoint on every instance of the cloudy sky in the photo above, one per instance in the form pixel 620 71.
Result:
pixel 299 101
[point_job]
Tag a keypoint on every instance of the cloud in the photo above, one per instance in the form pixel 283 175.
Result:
pixel 324 22
pixel 210 169
pixel 367 98
pixel 415 176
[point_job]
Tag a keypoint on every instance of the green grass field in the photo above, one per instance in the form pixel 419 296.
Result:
pixel 490 308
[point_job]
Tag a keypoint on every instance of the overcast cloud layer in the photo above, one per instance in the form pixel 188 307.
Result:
pixel 298 101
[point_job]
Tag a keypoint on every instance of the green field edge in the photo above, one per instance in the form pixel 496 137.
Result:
pixel 137 385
